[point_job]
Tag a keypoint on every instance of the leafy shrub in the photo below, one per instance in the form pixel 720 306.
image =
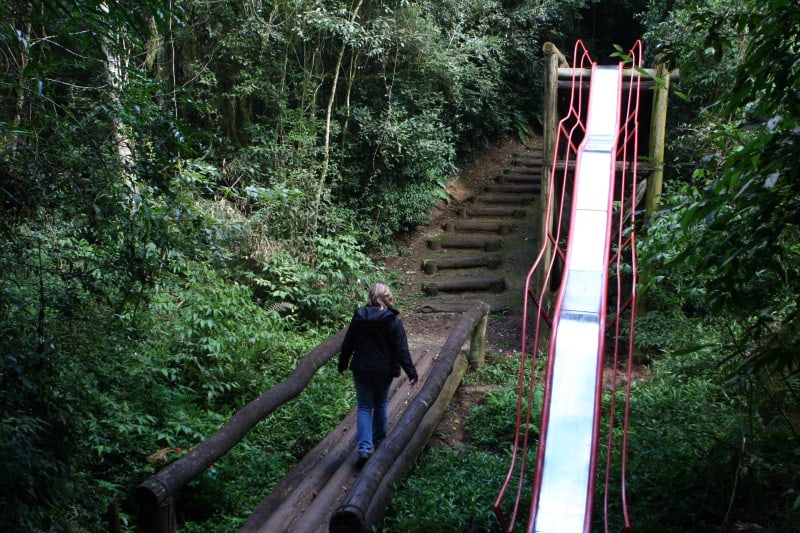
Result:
pixel 448 491
pixel 492 423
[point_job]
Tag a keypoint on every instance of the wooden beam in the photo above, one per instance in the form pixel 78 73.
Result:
pixel 494 284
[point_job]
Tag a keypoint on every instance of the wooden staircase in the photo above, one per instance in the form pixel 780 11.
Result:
pixel 487 242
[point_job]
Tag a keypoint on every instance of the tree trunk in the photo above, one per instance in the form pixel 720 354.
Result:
pixel 328 117
pixel 24 58
pixel 115 71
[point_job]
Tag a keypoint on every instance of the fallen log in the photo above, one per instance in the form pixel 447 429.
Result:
pixel 432 265
pixel 465 285
pixel 353 513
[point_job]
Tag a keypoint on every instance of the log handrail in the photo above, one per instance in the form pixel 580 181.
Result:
pixel 154 495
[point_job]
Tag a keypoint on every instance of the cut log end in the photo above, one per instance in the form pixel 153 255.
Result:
pixel 347 519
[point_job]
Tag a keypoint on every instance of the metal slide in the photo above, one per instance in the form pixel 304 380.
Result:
pixel 600 219
pixel 568 460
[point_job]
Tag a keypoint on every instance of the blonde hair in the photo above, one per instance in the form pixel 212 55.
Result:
pixel 380 294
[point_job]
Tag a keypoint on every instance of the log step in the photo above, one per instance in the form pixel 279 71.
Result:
pixel 491 211
pixel 501 228
pixel 465 284
pixel 488 244
pixel 431 265
pixel 532 188
pixel 455 307
pixel 519 178
pixel 522 171
pixel 516 199
pixel 528 159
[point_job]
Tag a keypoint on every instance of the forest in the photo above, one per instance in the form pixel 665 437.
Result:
pixel 195 193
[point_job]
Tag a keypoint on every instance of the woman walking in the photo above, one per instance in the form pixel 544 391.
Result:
pixel 377 342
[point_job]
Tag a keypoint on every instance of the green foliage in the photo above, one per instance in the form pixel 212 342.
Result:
pixel 448 491
pixel 325 286
pixel 500 369
pixel 690 439
pixel 494 421
pixel 743 226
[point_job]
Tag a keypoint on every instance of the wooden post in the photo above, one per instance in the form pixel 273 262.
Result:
pixel 553 59
pixel 658 129
pixel 477 344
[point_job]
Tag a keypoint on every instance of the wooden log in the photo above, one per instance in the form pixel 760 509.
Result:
pixel 553 59
pixel 491 211
pixel 644 84
pixel 641 166
pixel 352 514
pixel 527 179
pixel 463 241
pixel 514 188
pixel 465 285
pixel 521 172
pixel 452 306
pixel 657 140
pixel 534 157
pixel 432 265
pixel 646 74
pixel 501 228
pixel 376 510
pixel 303 482
pixel 156 491
pixel 517 199
pixel 535 169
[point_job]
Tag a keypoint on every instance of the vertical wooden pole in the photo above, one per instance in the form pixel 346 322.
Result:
pixel 658 130
pixel 550 132
pixel 477 344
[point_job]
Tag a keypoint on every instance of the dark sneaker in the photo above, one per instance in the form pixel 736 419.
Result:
pixel 362 458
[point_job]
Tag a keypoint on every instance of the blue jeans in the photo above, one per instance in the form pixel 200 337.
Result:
pixel 372 398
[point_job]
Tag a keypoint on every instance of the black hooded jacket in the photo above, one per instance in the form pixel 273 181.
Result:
pixel 376 339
